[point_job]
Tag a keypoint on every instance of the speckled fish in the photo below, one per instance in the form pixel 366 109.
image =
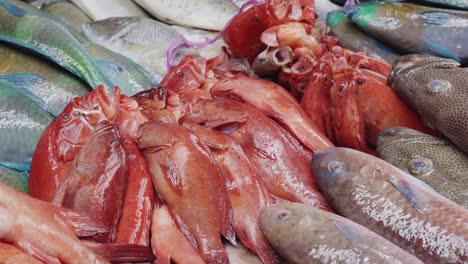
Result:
pixel 436 89
pixel 55 86
pixel 307 235
pixel 353 38
pixel 68 12
pixel 394 204
pixel 15 179
pixel 205 14
pixel 415 29
pixel 143 40
pixel 23 118
pixel 435 161
pixel 103 9
pixel 39 33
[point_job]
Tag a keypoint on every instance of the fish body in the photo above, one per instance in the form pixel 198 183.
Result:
pixel 394 204
pixel 53 85
pixel 103 9
pixel 143 40
pixel 241 255
pixel 33 31
pixel 15 179
pixel 23 119
pixel 460 4
pixel 353 38
pixel 205 14
pixel 305 235
pixel 10 254
pixel 415 29
pixel 434 161
pixel 436 89
pixel 68 12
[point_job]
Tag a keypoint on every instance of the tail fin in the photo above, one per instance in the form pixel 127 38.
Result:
pixel 122 253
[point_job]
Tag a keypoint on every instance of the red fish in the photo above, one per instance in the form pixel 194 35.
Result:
pixel 10 254
pixel 97 179
pixel 189 182
pixel 129 117
pixel 135 222
pixel 63 139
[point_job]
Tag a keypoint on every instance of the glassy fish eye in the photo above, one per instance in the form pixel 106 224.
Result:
pixel 337 168
pixel 438 86
pixel 341 89
pixel 420 166
pixel 113 142
pixel 283 215
pixel 359 81
pixel 64 116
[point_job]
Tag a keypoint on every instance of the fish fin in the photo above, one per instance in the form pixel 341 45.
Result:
pixel 109 69
pixel 37 253
pixel 414 197
pixel 19 166
pixel 83 224
pixel 116 252
pixel 439 50
pixel 14 10
pixel 348 231
pixel 27 83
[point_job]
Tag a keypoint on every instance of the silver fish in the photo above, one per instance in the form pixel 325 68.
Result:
pixel 102 9
pixel 394 204
pixel 205 14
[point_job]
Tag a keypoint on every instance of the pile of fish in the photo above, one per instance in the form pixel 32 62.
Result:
pixel 232 132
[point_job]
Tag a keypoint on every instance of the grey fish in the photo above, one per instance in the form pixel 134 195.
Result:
pixel 307 235
pixel 435 161
pixel 15 179
pixel 102 9
pixel 394 204
pixel 436 88
pixel 462 4
pixel 67 12
pixel 143 40
pixel 205 14
pixel 353 38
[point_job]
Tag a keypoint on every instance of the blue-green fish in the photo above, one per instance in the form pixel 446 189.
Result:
pixel 15 179
pixel 353 38
pixel 43 35
pixel 415 29
pixel 23 119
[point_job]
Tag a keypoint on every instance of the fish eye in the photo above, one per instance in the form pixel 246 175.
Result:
pixel 337 168
pixel 116 21
pixel 283 215
pixel 341 89
pixel 256 19
pixel 65 117
pixel 113 142
pixel 180 74
pixel 420 166
pixel 359 81
pixel 438 86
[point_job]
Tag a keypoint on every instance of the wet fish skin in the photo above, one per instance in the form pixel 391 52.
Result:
pixel 68 12
pixel 241 255
pixel 415 29
pixel 353 38
pixel 10 254
pixel 434 161
pixel 394 204
pixel 22 121
pixel 103 9
pixel 33 30
pixel 305 235
pixel 204 14
pixel 15 179
pixel 436 89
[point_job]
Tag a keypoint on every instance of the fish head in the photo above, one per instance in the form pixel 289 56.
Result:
pixel 108 30
pixel 129 117
pixel 277 220
pixel 188 75
pixel 80 118
pixel 154 136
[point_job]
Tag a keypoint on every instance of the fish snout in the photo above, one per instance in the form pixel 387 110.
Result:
pixel 328 165
pixel 272 216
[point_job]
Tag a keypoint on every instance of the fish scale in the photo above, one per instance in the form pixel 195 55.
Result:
pixel 15 179
pixel 22 122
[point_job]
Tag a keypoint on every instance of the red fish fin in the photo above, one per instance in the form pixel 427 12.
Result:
pixel 122 253
pixel 37 253
pixel 227 229
pixel 83 224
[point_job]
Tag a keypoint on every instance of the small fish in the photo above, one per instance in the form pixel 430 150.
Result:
pixel 394 204
pixel 102 9
pixel 353 38
pixel 415 29
pixel 15 179
pixel 143 40
pixel 436 89
pixel 303 234
pixel 205 14
pixel 68 12
pixel 324 7
pixel 23 119
pixel 53 85
pixel 32 30
pixel 434 161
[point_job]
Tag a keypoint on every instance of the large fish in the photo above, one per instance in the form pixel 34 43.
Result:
pixel 306 235
pixel 15 179
pixel 68 12
pixel 143 40
pixel 10 254
pixel 55 86
pixel 205 14
pixel 103 9
pixel 353 38
pixel 394 204
pixel 39 33
pixel 415 29
pixel 23 119
pixel 437 89
pixel 435 161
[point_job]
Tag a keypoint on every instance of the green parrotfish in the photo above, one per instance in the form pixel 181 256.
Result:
pixel 15 179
